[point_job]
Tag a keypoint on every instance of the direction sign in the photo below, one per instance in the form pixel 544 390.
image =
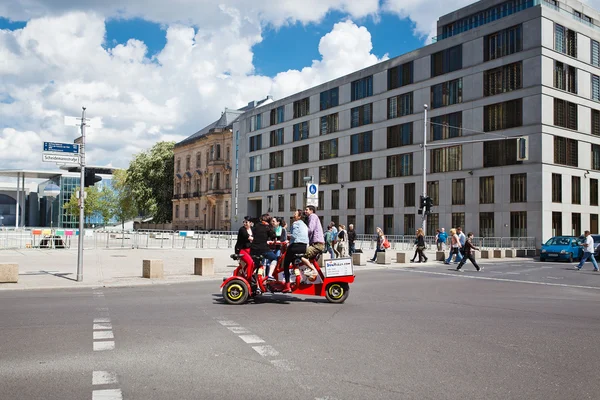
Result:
pixel 52 147
pixel 61 158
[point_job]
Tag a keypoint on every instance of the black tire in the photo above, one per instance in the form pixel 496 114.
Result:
pixel 542 259
pixel 337 292
pixel 235 292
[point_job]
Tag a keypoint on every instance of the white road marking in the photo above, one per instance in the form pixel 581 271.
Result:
pixel 554 277
pixel 283 364
pixel 103 335
pixel 102 309
pixel 266 351
pixel 104 378
pixel 228 323
pixel 107 394
pixel 496 279
pixel 98 320
pixel 102 326
pixel 251 339
pixel 104 346
pixel 512 273
pixel 238 329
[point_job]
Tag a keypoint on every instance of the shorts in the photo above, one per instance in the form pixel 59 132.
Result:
pixel 314 250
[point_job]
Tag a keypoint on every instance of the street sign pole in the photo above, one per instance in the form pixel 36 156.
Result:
pixel 81 200
pixel 424 225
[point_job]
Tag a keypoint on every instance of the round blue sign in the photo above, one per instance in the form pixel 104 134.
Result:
pixel 312 189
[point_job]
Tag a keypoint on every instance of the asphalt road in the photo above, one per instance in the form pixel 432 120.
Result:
pixel 518 330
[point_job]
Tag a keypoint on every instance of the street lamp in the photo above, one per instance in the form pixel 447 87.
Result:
pixel 52 191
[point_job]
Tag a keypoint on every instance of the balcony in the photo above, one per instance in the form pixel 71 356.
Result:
pixel 196 194
pixel 216 162
pixel 176 196
pixel 185 195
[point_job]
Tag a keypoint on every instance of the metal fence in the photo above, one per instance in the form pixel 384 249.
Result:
pixel 161 239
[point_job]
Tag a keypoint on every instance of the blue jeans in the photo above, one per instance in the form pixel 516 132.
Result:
pixel 454 250
pixel 269 257
pixel 586 255
pixel 351 249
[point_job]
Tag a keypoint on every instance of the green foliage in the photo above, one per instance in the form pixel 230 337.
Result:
pixel 150 181
pixel 92 204
pixel 124 204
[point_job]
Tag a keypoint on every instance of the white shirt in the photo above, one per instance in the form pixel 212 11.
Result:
pixel 589 244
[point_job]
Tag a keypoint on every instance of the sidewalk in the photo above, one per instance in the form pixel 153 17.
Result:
pixel 57 269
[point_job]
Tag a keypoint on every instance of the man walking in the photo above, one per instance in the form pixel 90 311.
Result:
pixel 468 250
pixel 351 239
pixel 461 239
pixel 588 252
pixel 442 236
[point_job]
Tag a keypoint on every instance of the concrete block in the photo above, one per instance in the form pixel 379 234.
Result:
pixel 9 273
pixel 204 266
pixel 521 253
pixel 153 269
pixel 440 256
pixel 498 253
pixel 533 253
pixel 359 259
pixel 384 257
pixel 487 254
pixel 402 257
pixel 509 253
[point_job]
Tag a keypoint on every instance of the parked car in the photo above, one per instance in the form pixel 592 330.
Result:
pixel 564 248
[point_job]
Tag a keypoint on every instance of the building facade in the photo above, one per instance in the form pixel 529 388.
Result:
pixel 497 70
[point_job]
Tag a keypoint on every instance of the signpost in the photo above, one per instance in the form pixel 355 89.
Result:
pixel 312 194
pixel 59 158
pixel 52 147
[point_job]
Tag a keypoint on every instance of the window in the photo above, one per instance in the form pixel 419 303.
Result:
pixel 518 188
pixel 486 224
pixel 565 40
pixel 301 107
pixel 197 210
pixel 369 224
pixel 362 88
pixel 276 159
pixel 594 223
pixel 388 224
pixel 352 199
pixel 258 124
pixel 277 115
pixel 596 157
pixel 254 184
pixel 277 137
pixel 399 165
pixel 328 174
pixel 269 203
pixel 299 176
pixel 198 160
pixel 447 60
pixel 369 197
pixel 217 180
pixel 409 194
pixel 556 188
pixel 595 47
pixel 596 122
pixel 576 224
pixel 565 151
pixel 329 124
pixel 328 149
pixel 458 191
pixel 596 87
pixel 388 196
pixel 300 154
pixel 227 182
pixel 486 190
pixel 575 190
pixel 178 169
pixel 335 199
pixel 593 192
pixel 433 191
pixel 351 220
pixel 433 223
pixel 409 224
pixel 321 205
pixel 362 115
pixel 446 159
pixel 503 79
pixel 401 75
pixel 503 43
pixel 500 153
pixel 293 202
pixel 400 135
pixel 177 211
pixel 280 203
pixel 301 131
pixel 255 163
pixel 458 219
pixel 360 170
pixel 446 93
pixel 276 181
pixel 446 126
pixel 361 142
pixel 518 224
pixel 329 98
pixel 400 106
pixel 506 115
pixel 556 223
pixel 255 143
pixel 565 77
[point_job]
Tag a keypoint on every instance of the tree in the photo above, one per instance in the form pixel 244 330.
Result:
pixel 91 203
pixel 124 203
pixel 150 179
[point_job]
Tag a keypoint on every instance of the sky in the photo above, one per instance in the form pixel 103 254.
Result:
pixel 152 70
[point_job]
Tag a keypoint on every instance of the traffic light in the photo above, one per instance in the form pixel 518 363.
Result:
pixel 90 178
pixel 422 202
pixel 428 204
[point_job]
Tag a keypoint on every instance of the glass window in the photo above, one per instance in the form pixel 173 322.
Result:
pixel 361 143
pixel 486 190
pixel 329 98
pixel 352 199
pixel 276 181
pixel 433 191
pixel 276 159
pixel 446 61
pixel 255 143
pixel 575 190
pixel 293 206
pixel 565 151
pixel 593 192
pixel 503 43
pixel 518 188
pixel 565 77
pixel 596 87
pixel 500 153
pixel 565 40
pixel 388 224
pixel 409 224
pixel 401 75
pixel 362 88
pixel 329 124
pixel 506 115
pixel 301 107
pixel 300 154
pixel 458 191
pixel 369 197
pixel 328 149
pixel 556 223
pixel 446 126
pixel 446 93
pixel 486 224
pixel 595 157
pixel 362 115
pixel 503 79
pixel 556 188
pixel 400 135
pixel 280 203
pixel 595 47
pixel 518 224
pixel 335 199
pixel 254 184
pixel 328 174
pixel 399 165
pixel 400 106
pixel 360 170
pixel 446 159
pixel 277 137
pixel 409 195
pixel 301 131
pixel 388 196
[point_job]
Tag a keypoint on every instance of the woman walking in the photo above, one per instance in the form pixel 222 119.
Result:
pixel 420 242
pixel 342 245
pixel 454 246
pixel 380 238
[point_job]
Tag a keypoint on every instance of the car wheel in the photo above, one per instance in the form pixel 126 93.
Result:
pixel 570 257
pixel 542 258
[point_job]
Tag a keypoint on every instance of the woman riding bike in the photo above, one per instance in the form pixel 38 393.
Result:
pixel 298 245
pixel 263 233
pixel 242 246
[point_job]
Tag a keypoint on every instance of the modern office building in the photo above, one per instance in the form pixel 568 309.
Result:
pixel 497 70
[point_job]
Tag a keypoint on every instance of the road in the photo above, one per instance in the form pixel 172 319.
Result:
pixel 519 330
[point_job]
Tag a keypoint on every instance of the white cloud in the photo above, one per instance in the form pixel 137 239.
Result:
pixel 199 72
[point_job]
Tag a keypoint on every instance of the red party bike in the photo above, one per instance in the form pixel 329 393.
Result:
pixel 332 280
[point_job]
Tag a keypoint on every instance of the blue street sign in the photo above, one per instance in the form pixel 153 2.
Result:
pixel 52 147
pixel 312 189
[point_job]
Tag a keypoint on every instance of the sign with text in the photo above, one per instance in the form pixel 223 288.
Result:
pixel 61 158
pixel 312 194
pixel 338 267
pixel 53 147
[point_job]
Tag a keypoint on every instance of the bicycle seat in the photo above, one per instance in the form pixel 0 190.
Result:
pixel 235 256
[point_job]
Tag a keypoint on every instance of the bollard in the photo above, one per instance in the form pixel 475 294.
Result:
pixel 487 254
pixel 402 257
pixel 384 257
pixel 204 266
pixel 359 259
pixel 509 253
pixel 153 269
pixel 440 256
pixel 499 253
pixel 9 273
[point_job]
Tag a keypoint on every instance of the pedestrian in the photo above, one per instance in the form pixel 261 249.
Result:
pixel 454 246
pixel 380 238
pixel 316 240
pixel 334 239
pixel 588 252
pixel 441 238
pixel 468 250
pixel 351 239
pixel 342 237
pixel 329 242
pixel 461 239
pixel 420 242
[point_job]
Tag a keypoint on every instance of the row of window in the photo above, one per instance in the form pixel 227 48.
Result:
pixel 557 224
pixel 557 194
pixel 186 212
pixel 213 154
pixel 212 182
